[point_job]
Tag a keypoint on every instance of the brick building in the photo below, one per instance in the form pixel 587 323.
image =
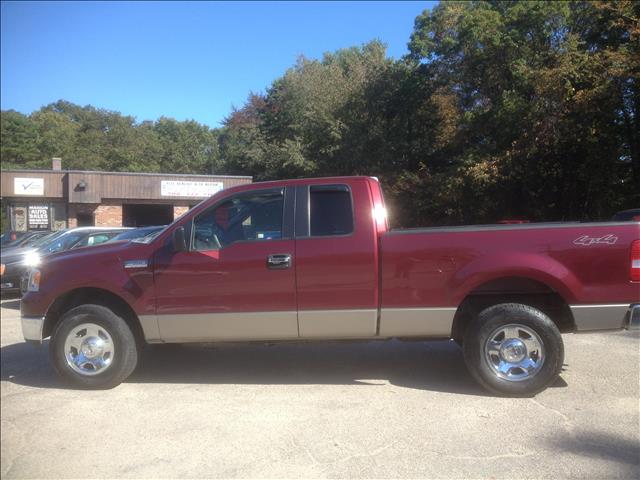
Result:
pixel 56 199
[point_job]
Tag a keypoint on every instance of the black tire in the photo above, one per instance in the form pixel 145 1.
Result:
pixel 124 360
pixel 491 319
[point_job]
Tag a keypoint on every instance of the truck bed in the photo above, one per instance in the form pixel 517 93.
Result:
pixel 440 267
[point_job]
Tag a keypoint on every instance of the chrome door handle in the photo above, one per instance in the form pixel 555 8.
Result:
pixel 279 261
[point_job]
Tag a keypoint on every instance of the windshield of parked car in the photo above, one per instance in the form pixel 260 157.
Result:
pixel 47 238
pixel 31 239
pixel 61 243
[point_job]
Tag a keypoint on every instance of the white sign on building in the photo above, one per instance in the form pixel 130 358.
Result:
pixel 38 217
pixel 187 188
pixel 28 186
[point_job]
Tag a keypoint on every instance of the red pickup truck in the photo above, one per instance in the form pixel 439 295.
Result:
pixel 313 259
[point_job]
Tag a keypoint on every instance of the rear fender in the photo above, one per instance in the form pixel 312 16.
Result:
pixel 540 268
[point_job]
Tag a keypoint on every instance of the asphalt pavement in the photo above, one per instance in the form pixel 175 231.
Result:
pixel 332 410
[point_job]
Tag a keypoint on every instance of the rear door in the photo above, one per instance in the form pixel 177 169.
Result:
pixel 336 260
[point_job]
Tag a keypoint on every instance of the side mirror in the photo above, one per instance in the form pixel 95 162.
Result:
pixel 179 242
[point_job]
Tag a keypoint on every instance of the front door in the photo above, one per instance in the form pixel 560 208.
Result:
pixel 236 281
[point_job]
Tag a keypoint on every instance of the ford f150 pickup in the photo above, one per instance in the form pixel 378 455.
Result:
pixel 314 259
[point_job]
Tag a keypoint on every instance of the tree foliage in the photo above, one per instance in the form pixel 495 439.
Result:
pixel 500 110
pixel 88 138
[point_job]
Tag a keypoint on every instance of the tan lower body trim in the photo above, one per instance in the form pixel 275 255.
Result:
pixel 248 326
pixel 150 328
pixel 306 324
pixel 416 322
pixel 337 323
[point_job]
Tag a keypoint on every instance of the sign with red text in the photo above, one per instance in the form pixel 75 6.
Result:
pixel 188 188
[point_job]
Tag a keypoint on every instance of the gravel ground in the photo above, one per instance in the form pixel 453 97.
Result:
pixel 347 410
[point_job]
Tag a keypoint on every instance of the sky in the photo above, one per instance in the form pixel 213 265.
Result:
pixel 186 60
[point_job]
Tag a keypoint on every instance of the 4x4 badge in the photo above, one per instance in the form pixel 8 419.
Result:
pixel 609 239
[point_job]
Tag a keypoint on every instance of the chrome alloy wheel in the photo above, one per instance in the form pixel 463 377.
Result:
pixel 89 349
pixel 514 352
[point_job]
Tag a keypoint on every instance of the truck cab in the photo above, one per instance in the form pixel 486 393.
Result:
pixel 273 263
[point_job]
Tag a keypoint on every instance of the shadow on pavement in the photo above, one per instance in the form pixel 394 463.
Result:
pixel 435 366
pixel 27 364
pixel 602 445
pixel 11 304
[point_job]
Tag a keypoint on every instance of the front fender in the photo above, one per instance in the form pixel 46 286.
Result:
pixel 104 271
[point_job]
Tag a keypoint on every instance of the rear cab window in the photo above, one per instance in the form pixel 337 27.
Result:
pixel 330 210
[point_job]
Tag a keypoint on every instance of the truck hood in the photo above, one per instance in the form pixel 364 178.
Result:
pixel 107 252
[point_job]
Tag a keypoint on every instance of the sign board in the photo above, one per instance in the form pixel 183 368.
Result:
pixel 28 186
pixel 38 217
pixel 187 188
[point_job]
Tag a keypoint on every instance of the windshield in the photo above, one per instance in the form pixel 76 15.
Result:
pixel 138 233
pixel 47 238
pixel 150 238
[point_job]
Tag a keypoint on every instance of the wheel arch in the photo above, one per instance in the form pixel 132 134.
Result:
pixel 534 266
pixel 95 296
pixel 513 289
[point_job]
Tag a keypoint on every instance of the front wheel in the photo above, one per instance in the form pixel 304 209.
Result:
pixel 513 349
pixel 92 347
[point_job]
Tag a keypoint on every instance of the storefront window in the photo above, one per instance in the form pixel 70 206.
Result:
pixel 18 217
pixel 37 216
pixel 58 216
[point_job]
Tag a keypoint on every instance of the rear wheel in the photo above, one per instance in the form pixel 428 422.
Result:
pixel 92 347
pixel 513 349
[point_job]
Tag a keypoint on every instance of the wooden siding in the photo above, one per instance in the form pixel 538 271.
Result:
pixel 108 185
pixel 54 183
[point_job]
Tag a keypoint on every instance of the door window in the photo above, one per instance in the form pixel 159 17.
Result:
pixel 255 216
pixel 95 239
pixel 330 210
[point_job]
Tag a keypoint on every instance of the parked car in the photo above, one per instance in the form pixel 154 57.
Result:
pixel 17 261
pixel 632 214
pixel 12 262
pixel 314 259
pixel 27 239
pixel 142 234
pixel 10 237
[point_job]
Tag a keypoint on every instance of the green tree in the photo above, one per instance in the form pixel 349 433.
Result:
pixel 187 147
pixel 18 140
pixel 540 91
